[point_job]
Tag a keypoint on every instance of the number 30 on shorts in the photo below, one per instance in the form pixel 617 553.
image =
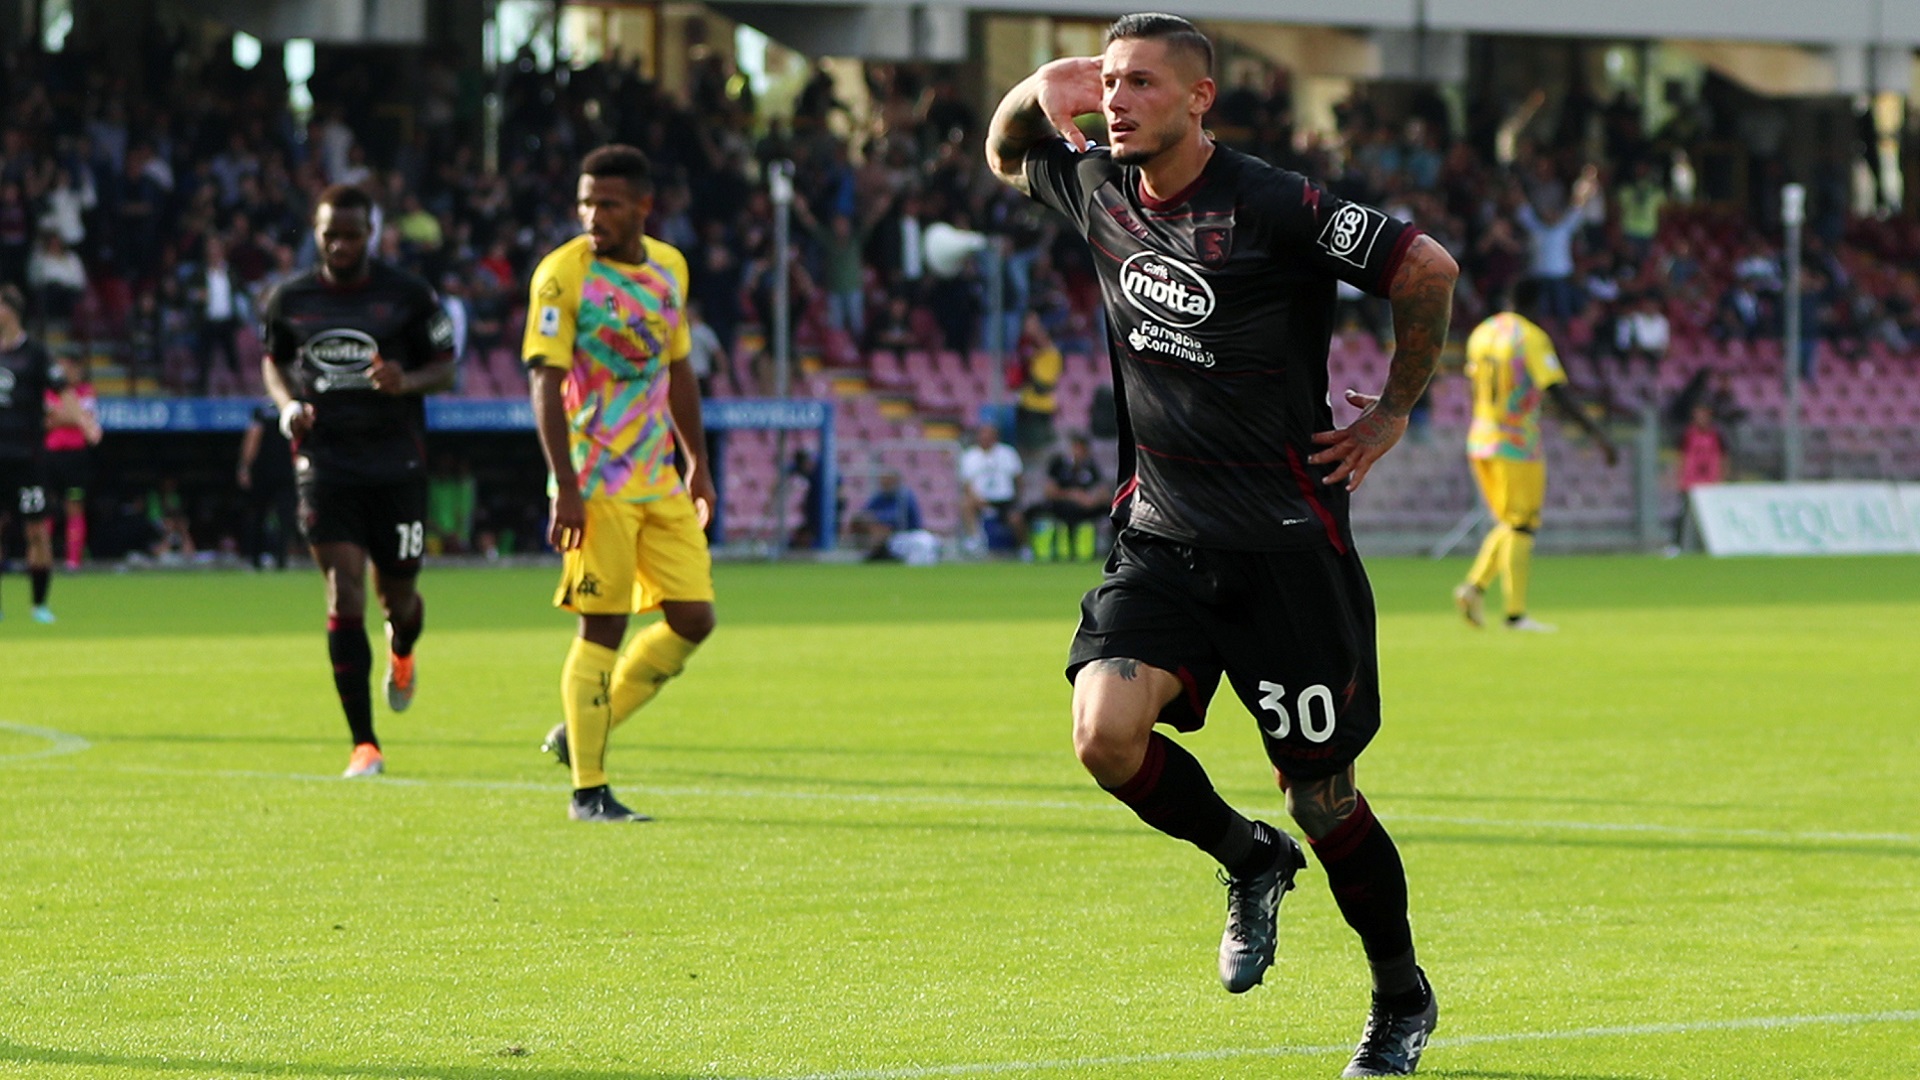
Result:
pixel 413 539
pixel 1314 705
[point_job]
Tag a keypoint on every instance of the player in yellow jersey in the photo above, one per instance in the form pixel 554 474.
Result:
pixel 613 395
pixel 1514 371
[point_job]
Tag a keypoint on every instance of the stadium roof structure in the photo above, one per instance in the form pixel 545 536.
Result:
pixel 1831 23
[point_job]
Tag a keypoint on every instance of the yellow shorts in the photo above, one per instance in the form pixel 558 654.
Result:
pixel 634 556
pixel 1515 490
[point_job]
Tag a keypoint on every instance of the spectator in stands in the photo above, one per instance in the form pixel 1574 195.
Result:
pixel 890 511
pixel 1551 235
pixel 57 277
pixel 1641 201
pixel 1643 332
pixel 1500 253
pixel 1065 524
pixel 1741 313
pixel 65 205
pixel 217 300
pixel 840 241
pixel 1703 460
pixel 16 235
pixel 708 354
pixel 805 468
pixel 990 485
pixel 1040 369
pixel 893 329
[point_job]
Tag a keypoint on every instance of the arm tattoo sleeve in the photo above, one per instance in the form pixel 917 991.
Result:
pixel 1422 297
pixel 1017 128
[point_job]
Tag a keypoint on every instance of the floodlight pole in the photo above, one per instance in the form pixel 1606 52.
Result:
pixel 780 187
pixel 1793 214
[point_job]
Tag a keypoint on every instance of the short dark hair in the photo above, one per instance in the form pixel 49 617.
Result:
pixel 629 163
pixel 345 197
pixel 1178 34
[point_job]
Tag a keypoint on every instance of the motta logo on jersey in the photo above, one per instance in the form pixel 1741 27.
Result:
pixel 341 359
pixel 1166 289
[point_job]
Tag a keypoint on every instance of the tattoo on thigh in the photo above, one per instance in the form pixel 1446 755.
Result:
pixel 1126 669
pixel 1319 806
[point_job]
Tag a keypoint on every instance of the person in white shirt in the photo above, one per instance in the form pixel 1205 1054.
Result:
pixel 990 479
pixel 218 301
pixel 57 276
pixel 1644 331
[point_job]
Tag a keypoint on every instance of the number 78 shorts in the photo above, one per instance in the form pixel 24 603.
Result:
pixel 1293 632
pixel 635 555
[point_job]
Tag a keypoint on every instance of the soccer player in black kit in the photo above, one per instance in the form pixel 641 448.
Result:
pixel 27 373
pixel 351 346
pixel 1234 555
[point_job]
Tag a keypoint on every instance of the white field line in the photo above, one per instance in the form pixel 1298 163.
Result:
pixel 69 744
pixel 1753 1023
pixel 58 742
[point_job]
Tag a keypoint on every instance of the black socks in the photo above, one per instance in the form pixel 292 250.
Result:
pixel 352 673
pixel 1370 886
pixel 1171 792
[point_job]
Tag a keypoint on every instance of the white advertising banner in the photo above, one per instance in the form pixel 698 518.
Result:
pixel 1808 519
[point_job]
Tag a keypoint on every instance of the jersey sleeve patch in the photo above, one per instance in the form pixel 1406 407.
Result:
pixel 549 320
pixel 1351 234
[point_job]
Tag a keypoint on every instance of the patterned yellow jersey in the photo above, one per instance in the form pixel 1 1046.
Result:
pixel 1511 362
pixel 613 328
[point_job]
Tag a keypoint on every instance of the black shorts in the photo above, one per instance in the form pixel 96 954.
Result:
pixel 1293 631
pixel 23 489
pixel 69 473
pixel 387 520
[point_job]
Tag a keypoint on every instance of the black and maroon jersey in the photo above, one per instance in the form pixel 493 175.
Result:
pixel 26 374
pixel 1220 303
pixel 324 337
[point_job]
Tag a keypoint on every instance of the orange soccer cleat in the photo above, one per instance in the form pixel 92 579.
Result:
pixel 366 761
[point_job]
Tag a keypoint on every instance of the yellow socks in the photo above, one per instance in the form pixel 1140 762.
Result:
pixel 586 695
pixel 1517 566
pixel 1492 558
pixel 655 655
pixel 599 688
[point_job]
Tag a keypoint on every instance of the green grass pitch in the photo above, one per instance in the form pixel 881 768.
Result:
pixel 1680 838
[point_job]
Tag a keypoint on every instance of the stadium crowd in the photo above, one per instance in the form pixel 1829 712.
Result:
pixel 149 217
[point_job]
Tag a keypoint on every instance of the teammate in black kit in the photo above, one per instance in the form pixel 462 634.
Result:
pixel 1234 555
pixel 26 375
pixel 351 347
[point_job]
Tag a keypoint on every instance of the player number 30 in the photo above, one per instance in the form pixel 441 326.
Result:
pixel 1314 705
pixel 413 539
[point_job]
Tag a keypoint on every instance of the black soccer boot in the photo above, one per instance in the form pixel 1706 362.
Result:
pixel 556 743
pixel 1392 1043
pixel 598 804
pixel 1253 915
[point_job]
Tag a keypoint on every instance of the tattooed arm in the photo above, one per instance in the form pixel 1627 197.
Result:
pixel 1422 297
pixel 1042 107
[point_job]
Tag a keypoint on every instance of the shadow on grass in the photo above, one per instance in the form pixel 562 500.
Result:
pixel 1758 845
pixel 1388 797
pixel 1507 1074
pixel 14 1053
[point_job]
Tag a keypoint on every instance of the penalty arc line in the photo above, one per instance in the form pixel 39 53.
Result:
pixel 60 742
pixel 1753 1023
pixel 1103 807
